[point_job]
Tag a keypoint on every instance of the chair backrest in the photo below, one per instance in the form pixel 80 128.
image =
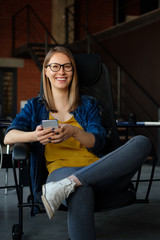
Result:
pixel 94 80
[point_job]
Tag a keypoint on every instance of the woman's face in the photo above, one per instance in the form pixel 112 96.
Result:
pixel 60 77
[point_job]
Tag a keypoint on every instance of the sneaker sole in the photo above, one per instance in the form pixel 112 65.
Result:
pixel 47 205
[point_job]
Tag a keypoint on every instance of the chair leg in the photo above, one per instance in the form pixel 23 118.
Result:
pixel 1 155
pixel 6 179
pixel 138 179
pixel 151 176
pixel 6 182
pixel 17 229
pixel 150 180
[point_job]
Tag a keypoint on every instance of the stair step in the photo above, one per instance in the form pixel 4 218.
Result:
pixel 40 55
pixel 38 47
pixel 38 50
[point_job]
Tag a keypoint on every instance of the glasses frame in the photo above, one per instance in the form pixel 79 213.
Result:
pixel 60 65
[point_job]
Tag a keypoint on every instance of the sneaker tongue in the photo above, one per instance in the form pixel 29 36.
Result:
pixel 67 181
pixel 70 186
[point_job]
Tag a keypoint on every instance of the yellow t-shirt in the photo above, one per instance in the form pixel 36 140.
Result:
pixel 70 153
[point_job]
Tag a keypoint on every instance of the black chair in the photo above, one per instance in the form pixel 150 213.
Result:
pixel 5 155
pixel 94 80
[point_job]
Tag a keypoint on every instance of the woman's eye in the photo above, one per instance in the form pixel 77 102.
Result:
pixel 67 67
pixel 55 67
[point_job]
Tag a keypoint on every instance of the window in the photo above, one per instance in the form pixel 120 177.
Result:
pixel 8 90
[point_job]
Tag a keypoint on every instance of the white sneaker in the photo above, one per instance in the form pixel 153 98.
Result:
pixel 54 193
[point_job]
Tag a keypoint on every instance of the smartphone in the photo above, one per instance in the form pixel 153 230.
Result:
pixel 50 123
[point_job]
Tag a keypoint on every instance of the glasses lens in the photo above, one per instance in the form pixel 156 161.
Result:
pixel 67 67
pixel 55 67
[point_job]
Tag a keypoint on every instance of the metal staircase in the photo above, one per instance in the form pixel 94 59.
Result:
pixel 30 37
pixel 36 51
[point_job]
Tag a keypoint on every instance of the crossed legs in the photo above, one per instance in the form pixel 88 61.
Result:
pixel 119 164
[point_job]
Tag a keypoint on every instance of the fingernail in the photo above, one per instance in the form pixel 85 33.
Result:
pixel 49 138
pixel 49 142
pixel 52 129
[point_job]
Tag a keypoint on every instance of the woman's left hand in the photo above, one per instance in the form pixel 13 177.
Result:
pixel 66 131
pixel 63 133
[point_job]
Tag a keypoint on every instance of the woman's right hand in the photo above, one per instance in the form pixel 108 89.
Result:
pixel 43 135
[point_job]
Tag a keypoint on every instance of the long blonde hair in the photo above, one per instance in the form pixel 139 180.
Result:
pixel 74 99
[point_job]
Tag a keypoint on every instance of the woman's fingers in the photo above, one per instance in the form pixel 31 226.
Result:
pixel 43 135
pixel 62 134
pixel 50 135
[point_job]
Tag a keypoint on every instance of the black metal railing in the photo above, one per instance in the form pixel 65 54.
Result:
pixel 69 24
pixel 27 27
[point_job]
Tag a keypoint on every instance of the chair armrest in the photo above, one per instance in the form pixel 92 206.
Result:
pixel 20 151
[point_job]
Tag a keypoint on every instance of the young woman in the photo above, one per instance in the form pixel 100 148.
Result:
pixel 72 151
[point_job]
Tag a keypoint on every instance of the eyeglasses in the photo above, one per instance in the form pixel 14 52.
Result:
pixel 55 67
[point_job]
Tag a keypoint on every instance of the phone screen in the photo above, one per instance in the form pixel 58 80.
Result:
pixel 50 123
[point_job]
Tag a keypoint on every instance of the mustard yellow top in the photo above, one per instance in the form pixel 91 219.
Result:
pixel 70 153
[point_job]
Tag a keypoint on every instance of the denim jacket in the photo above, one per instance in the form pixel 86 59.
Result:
pixel 87 115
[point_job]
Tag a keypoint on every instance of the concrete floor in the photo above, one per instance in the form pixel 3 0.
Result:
pixel 135 222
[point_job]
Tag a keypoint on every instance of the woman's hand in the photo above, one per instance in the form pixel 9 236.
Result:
pixel 66 131
pixel 61 134
pixel 44 135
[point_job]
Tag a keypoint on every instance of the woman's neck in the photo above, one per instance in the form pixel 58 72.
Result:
pixel 61 100
pixel 62 106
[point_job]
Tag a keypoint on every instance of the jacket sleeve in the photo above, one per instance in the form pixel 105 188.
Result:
pixel 25 120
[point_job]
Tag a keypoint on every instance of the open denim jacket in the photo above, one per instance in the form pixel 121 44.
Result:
pixel 87 115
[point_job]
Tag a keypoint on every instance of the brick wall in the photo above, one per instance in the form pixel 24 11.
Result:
pixel 100 16
pixel 28 77
pixel 28 81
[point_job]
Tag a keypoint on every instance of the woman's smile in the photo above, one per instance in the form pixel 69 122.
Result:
pixel 61 78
